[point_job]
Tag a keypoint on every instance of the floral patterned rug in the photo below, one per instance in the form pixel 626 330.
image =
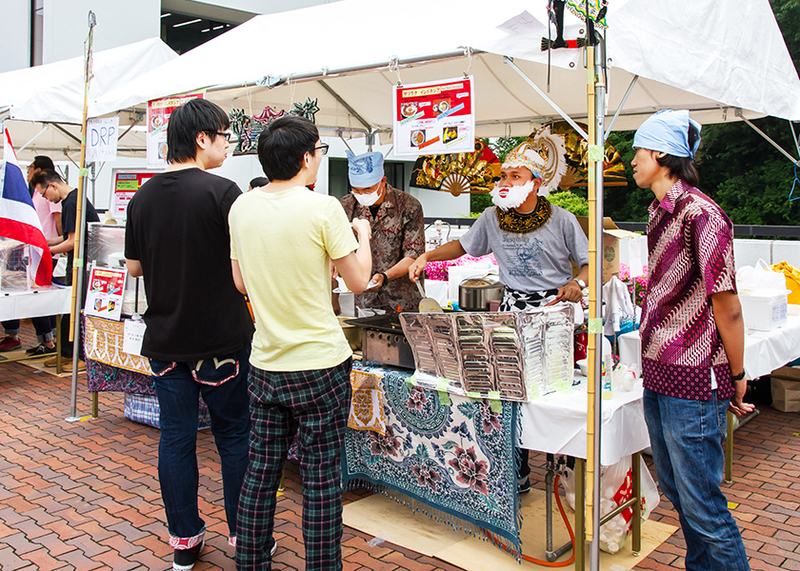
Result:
pixel 456 463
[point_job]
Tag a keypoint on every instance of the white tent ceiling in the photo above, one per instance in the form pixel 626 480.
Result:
pixel 47 100
pixel 703 55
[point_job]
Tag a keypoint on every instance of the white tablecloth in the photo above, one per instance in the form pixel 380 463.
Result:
pixel 764 351
pixel 36 303
pixel 557 424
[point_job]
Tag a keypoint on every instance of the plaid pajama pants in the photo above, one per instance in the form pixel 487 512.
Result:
pixel 315 405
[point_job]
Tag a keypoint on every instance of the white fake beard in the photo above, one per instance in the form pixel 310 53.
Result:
pixel 516 195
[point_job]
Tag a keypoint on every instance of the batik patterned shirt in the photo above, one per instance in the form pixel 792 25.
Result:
pixel 398 231
pixel 690 243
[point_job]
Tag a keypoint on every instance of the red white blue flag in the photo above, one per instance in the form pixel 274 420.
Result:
pixel 18 218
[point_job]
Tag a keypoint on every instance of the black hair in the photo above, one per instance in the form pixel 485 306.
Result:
pixel 259 181
pixel 683 167
pixel 283 144
pixel 45 177
pixel 186 122
pixel 42 162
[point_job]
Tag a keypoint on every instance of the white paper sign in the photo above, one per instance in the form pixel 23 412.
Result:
pixel 132 336
pixel 101 139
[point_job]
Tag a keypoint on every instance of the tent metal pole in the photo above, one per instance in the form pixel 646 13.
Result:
pixel 510 62
pixel 619 109
pixel 599 165
pixel 67 133
pixel 345 104
pixel 32 139
pixel 794 138
pixel 78 270
pixel 767 137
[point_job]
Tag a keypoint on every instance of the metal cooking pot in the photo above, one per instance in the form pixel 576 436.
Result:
pixel 474 294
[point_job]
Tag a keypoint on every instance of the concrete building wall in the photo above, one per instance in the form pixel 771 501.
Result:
pixel 118 23
pixel 15 41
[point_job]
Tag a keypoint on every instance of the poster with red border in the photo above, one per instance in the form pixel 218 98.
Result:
pixel 158 112
pixel 105 291
pixel 125 183
pixel 434 118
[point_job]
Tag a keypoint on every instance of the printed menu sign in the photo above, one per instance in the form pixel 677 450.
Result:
pixel 126 183
pixel 104 296
pixel 434 118
pixel 158 112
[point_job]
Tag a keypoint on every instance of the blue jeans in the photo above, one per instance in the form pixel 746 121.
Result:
pixel 228 405
pixel 686 437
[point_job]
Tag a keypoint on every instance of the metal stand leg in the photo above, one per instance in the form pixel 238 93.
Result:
pixel 636 464
pixel 95 406
pixel 580 514
pixel 283 479
pixel 59 369
pixel 549 479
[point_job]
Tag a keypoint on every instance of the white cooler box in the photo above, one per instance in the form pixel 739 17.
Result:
pixel 764 311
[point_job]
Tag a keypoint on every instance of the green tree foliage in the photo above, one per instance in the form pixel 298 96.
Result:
pixel 738 168
pixel 570 201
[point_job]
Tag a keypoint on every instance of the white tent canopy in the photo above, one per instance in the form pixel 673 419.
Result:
pixel 53 94
pixel 708 57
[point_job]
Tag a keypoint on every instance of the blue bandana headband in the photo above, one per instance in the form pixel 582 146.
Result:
pixel 364 170
pixel 667 132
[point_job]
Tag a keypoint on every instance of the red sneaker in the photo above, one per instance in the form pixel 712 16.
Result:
pixel 9 343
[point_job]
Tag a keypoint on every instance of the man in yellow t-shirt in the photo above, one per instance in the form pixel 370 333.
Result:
pixel 283 238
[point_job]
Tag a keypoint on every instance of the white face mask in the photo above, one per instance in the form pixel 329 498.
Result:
pixel 368 199
pixel 514 195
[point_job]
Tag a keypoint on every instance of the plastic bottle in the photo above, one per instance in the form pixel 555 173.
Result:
pixel 608 366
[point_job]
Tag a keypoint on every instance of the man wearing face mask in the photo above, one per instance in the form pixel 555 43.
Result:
pixel 398 233
pixel 532 240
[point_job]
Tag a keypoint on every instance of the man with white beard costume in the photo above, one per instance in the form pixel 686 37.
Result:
pixel 532 241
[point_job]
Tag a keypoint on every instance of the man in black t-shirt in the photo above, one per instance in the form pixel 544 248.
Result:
pixel 198 326
pixel 51 186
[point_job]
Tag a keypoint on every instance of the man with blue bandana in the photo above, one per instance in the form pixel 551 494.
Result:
pixel 692 339
pixel 398 233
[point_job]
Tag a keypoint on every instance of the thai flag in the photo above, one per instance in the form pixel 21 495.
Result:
pixel 18 218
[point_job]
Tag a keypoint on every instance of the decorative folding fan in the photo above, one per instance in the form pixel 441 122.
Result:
pixel 457 173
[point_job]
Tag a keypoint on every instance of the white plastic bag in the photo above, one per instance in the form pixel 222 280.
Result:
pixel 759 279
pixel 616 487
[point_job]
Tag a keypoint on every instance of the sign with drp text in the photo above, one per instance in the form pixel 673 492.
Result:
pixel 101 139
pixel 435 118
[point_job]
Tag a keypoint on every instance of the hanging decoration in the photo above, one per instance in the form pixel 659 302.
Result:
pixel 247 128
pixel 597 11
pixel 555 13
pixel 461 173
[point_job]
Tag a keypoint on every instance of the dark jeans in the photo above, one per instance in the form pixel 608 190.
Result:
pixel 44 327
pixel 686 437
pixel 178 395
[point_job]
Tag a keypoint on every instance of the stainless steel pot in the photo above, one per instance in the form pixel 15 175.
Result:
pixel 474 294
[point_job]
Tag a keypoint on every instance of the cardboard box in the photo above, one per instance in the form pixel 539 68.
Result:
pixel 785 394
pixel 611 238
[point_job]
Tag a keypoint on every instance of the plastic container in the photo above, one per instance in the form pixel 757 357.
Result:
pixel 764 310
pixel 606 378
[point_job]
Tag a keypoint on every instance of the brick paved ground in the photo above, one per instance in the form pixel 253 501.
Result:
pixel 85 495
